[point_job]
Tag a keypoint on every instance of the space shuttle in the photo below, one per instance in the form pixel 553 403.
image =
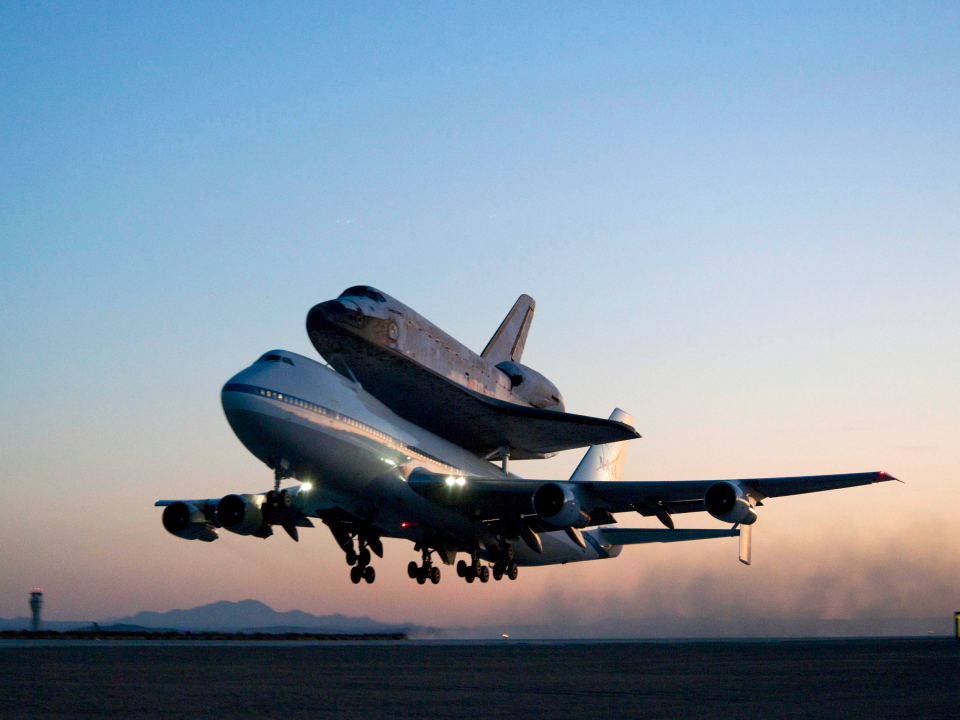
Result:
pixel 490 403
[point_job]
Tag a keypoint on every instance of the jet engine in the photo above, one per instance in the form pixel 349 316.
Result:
pixel 558 505
pixel 532 387
pixel 726 502
pixel 188 522
pixel 241 514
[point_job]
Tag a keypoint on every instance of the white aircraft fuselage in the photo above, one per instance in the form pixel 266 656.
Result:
pixel 356 455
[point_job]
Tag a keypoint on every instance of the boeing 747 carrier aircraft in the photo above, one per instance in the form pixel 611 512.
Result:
pixel 406 433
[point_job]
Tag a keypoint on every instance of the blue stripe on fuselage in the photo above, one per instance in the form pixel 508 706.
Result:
pixel 595 544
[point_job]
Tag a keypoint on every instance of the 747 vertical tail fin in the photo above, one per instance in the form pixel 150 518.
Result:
pixel 604 462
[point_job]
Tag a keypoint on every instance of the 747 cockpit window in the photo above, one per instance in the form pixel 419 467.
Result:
pixel 363 291
pixel 276 358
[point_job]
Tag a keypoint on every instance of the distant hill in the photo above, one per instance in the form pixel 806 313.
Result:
pixel 253 615
pixel 243 616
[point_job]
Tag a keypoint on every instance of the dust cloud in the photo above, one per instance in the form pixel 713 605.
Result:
pixel 902 582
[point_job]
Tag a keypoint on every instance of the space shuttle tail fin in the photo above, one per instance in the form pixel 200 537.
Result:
pixel 508 341
pixel 604 462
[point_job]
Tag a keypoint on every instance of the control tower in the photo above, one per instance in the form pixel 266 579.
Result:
pixel 36 604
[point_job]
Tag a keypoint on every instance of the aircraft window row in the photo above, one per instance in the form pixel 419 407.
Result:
pixel 363 291
pixel 320 410
pixel 276 358
pixel 291 400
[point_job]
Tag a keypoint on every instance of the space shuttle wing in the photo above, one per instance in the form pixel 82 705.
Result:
pixel 479 423
pixel 483 424
pixel 529 432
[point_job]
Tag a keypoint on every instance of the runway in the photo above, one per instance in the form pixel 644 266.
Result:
pixel 888 678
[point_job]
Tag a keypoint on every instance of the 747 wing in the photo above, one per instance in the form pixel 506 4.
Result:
pixel 574 503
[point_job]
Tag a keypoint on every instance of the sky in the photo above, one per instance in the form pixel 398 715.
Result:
pixel 740 221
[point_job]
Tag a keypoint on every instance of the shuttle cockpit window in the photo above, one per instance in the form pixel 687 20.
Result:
pixel 364 291
pixel 275 358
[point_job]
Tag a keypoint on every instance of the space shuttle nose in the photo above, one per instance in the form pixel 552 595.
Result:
pixel 323 313
pixel 332 312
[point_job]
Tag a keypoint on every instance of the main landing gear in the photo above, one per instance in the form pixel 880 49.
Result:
pixel 358 540
pixel 424 572
pixel 361 570
pixel 503 566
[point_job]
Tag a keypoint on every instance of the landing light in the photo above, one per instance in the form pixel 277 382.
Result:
pixel 306 486
pixel 461 481
pixel 450 481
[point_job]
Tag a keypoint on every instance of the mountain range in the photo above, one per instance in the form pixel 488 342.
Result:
pixel 243 616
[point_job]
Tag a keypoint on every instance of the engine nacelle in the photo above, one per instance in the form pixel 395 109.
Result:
pixel 532 387
pixel 188 522
pixel 726 502
pixel 557 505
pixel 241 514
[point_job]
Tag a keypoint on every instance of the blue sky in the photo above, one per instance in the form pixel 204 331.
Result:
pixel 740 223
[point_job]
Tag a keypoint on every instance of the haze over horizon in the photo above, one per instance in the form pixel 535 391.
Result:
pixel 739 224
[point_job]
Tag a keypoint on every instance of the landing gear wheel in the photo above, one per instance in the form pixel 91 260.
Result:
pixel 507 554
pixel 435 575
pixel 484 574
pixel 351 557
pixel 421 577
pixel 512 571
pixel 412 569
pixel 369 574
pixel 470 577
pixel 364 557
pixel 498 572
pixel 461 569
pixel 356 574
pixel 476 566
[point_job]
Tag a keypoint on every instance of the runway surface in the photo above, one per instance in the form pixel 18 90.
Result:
pixel 889 678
